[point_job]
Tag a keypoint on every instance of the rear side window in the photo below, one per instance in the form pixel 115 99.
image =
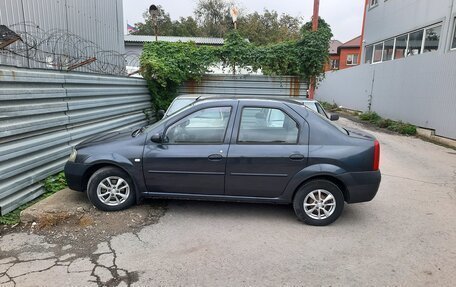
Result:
pixel 267 126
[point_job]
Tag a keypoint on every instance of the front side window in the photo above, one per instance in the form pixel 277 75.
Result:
pixel 369 52
pixel 267 126
pixel 415 43
pixel 388 50
pixel 352 59
pixel 202 127
pixel 401 46
pixel 432 39
pixel 378 50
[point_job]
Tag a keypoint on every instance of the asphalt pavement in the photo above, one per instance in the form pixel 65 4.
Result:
pixel 406 236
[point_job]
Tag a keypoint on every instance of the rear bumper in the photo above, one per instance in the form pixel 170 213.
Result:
pixel 74 174
pixel 361 186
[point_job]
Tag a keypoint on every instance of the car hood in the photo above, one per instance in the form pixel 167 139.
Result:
pixel 355 133
pixel 105 138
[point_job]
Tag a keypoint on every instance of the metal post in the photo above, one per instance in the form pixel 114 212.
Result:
pixel 314 28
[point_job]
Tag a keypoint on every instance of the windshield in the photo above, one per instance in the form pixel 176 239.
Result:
pixel 178 104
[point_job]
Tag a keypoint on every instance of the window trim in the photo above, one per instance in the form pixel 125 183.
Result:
pixel 298 139
pixel 371 6
pixel 202 108
pixel 453 40
pixel 373 52
pixel 353 56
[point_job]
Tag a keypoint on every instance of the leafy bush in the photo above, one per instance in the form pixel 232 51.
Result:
pixel 402 128
pixel 52 184
pixel 167 65
pixel 399 127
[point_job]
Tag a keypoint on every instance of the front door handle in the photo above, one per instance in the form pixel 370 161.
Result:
pixel 215 157
pixel 296 156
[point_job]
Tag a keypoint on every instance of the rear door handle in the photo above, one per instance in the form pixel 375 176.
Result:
pixel 297 156
pixel 215 157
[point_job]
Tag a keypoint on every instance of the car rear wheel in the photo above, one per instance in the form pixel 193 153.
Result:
pixel 110 189
pixel 318 202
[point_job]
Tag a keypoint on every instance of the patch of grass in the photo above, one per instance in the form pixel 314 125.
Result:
pixel 330 107
pixel 399 127
pixel 52 184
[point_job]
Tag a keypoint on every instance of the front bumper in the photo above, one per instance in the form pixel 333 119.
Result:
pixel 361 186
pixel 74 174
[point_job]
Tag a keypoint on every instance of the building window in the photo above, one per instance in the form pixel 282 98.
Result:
pixel 400 47
pixel 368 56
pixel 373 3
pixel 378 52
pixel 388 50
pixel 453 45
pixel 415 43
pixel 432 39
pixel 352 59
pixel 334 64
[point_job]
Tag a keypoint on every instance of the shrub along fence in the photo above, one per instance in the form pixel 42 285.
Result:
pixel 44 113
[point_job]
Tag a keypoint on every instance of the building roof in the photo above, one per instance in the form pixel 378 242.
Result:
pixel 197 40
pixel 353 43
pixel 333 45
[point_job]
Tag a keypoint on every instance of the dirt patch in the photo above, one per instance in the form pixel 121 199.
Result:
pixel 89 226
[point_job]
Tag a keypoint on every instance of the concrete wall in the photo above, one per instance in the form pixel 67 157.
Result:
pixel 44 113
pixel 419 90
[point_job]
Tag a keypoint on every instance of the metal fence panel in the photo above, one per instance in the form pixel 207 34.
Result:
pixel 250 85
pixel 44 113
pixel 418 89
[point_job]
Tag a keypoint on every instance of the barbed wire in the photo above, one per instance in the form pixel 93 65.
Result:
pixel 61 50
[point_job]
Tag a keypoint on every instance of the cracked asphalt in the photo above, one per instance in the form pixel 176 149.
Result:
pixel 405 237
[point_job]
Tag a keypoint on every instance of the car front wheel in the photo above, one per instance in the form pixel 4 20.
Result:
pixel 111 189
pixel 318 202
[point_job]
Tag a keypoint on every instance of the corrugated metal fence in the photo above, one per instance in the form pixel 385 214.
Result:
pixel 97 21
pixel 419 90
pixel 250 85
pixel 44 113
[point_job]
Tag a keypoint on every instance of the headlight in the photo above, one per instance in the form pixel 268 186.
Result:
pixel 73 155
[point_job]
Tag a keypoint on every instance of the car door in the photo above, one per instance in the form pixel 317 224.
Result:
pixel 268 147
pixel 192 157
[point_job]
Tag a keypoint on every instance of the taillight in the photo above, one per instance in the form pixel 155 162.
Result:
pixel 376 155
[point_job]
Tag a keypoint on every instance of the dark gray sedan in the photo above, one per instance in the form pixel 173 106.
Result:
pixel 232 149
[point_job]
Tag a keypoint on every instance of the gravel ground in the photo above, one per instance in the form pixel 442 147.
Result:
pixel 405 237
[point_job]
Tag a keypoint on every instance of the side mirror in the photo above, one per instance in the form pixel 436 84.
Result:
pixel 157 138
pixel 160 114
pixel 333 117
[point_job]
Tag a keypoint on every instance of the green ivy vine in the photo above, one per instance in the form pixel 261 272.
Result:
pixel 166 66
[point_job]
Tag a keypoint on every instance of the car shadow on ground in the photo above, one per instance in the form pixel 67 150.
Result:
pixel 241 212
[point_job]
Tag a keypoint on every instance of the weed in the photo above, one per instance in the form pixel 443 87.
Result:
pixel 52 184
pixel 399 127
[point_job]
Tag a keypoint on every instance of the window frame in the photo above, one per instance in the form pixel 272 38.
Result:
pixel 424 37
pixel 373 52
pixel 365 54
pixel 394 49
pixel 453 40
pixel 373 5
pixel 202 108
pixel 352 60
pixel 237 142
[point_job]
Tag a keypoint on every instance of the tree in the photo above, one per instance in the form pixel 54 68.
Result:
pixel 269 27
pixel 213 17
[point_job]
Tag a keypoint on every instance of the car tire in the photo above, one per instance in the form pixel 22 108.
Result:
pixel 318 202
pixel 111 189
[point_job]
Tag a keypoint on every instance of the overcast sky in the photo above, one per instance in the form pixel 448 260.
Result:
pixel 344 16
